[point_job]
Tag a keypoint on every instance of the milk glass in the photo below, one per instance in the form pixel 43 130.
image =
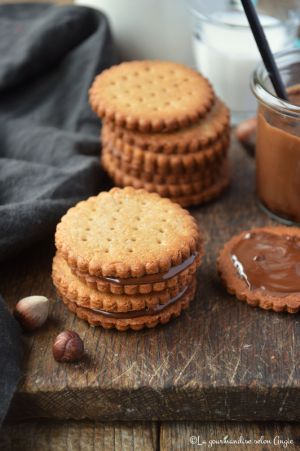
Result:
pixel 225 50
pixel 149 29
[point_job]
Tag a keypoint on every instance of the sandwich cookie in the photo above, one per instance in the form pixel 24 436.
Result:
pixel 127 259
pixel 72 287
pixel 133 320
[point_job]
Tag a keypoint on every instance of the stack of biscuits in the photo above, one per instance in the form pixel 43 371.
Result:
pixel 163 130
pixel 127 259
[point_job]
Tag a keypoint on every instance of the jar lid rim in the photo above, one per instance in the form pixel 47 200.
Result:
pixel 266 97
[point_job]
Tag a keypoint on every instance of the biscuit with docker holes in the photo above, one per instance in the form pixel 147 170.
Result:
pixel 149 162
pixel 203 133
pixel 177 190
pixel 267 262
pixel 151 95
pixel 128 234
pixel 145 319
pixel 72 287
pixel 209 194
pixel 207 172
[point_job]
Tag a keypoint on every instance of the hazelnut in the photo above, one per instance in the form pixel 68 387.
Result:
pixel 32 312
pixel 68 347
pixel 246 134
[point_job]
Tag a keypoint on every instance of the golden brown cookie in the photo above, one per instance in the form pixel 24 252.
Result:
pixel 151 95
pixel 149 162
pixel 127 233
pixel 146 285
pixel 205 172
pixel 207 195
pixel 137 323
pixel 234 277
pixel 165 189
pixel 190 139
pixel 108 158
pixel 72 287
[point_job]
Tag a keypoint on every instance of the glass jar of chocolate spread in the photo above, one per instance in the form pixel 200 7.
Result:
pixel 278 140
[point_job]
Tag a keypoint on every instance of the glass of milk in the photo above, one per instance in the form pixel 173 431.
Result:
pixel 148 29
pixel 225 50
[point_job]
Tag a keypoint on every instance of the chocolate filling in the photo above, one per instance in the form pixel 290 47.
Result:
pixel 146 279
pixel 269 262
pixel 149 311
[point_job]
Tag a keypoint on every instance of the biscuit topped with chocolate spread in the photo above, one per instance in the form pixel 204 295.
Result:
pixel 262 267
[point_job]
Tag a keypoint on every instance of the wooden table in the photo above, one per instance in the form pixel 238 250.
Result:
pixel 166 436
pixel 220 361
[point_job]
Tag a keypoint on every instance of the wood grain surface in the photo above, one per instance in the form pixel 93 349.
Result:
pixel 221 360
pixel 209 436
pixel 78 436
pixel 176 436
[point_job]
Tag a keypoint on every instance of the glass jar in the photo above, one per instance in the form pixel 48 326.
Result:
pixel 278 140
pixel 225 50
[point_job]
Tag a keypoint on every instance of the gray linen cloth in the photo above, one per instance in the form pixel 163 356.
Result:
pixel 49 137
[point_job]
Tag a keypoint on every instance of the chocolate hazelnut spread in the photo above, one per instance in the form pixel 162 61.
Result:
pixel 269 262
pixel 148 278
pixel 278 161
pixel 147 311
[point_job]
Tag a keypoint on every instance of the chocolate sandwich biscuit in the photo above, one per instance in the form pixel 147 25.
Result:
pixel 149 317
pixel 72 287
pixel 177 276
pixel 127 233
